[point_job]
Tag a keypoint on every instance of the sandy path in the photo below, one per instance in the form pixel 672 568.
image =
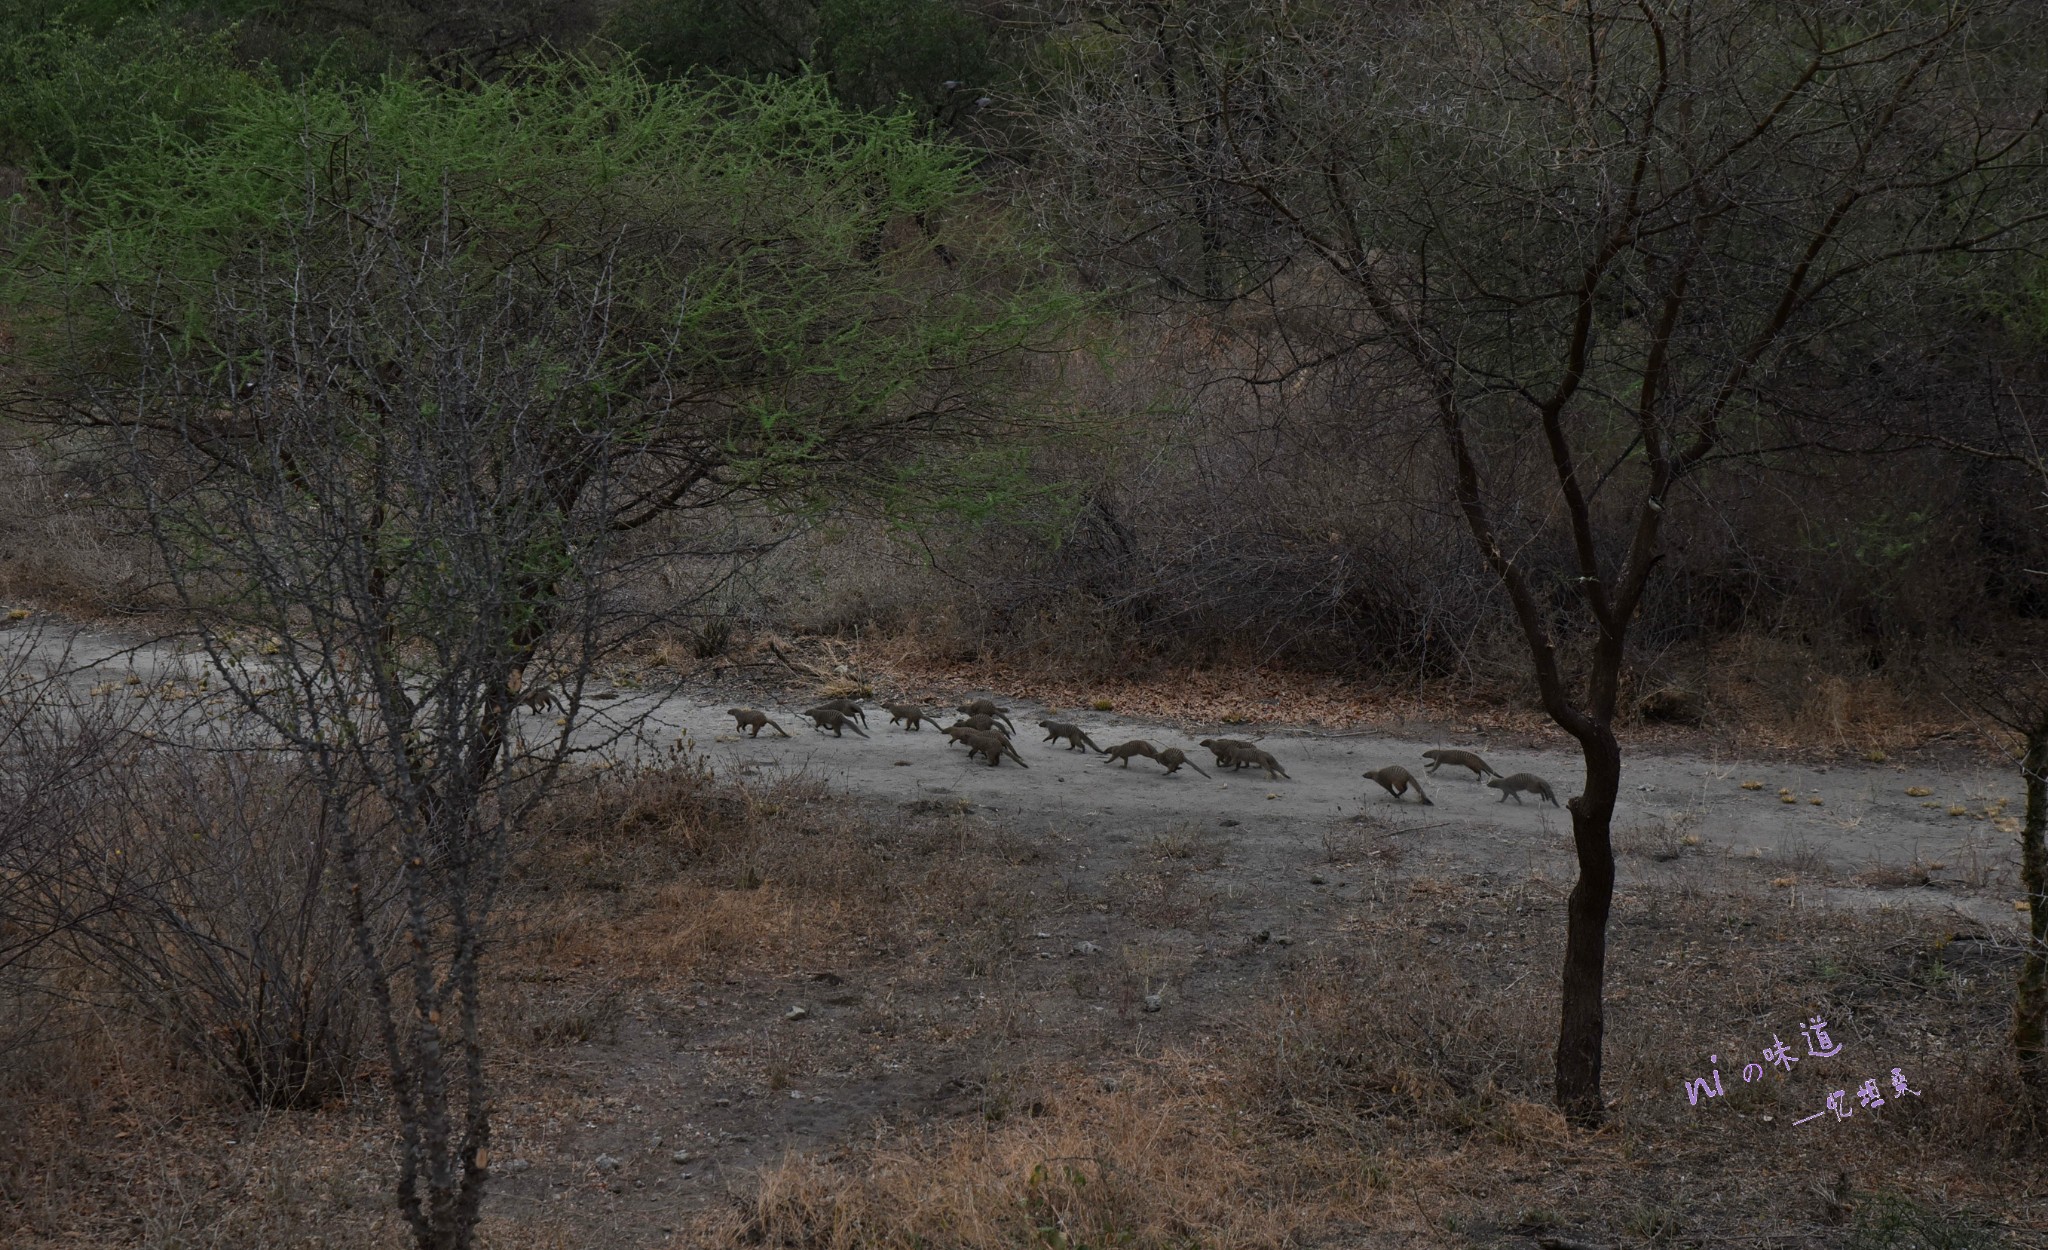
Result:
pixel 1864 818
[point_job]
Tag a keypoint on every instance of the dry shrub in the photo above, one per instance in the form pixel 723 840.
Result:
pixel 672 873
pixel 1143 1166
pixel 202 883
pixel 1398 1043
pixel 62 542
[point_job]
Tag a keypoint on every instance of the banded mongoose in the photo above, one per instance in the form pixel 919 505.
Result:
pixel 909 715
pixel 1396 780
pixel 1222 747
pixel 1524 781
pixel 959 731
pixel 832 718
pixel 750 718
pixel 983 723
pixel 1075 739
pixel 987 707
pixel 1125 750
pixel 537 700
pixel 1253 757
pixel 1459 759
pixel 848 707
pixel 1173 758
pixel 992 745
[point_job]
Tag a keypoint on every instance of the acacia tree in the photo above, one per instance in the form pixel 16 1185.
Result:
pixel 407 375
pixel 1593 244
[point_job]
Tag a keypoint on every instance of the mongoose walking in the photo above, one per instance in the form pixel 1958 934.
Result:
pixel 960 731
pixel 1459 759
pixel 1524 781
pixel 909 715
pixel 749 718
pixel 992 746
pixel 1222 747
pixel 1173 758
pixel 1242 757
pixel 848 707
pixel 1125 750
pixel 987 707
pixel 983 723
pixel 832 718
pixel 1396 780
pixel 537 700
pixel 1075 739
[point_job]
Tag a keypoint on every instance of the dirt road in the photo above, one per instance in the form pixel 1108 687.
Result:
pixel 1849 835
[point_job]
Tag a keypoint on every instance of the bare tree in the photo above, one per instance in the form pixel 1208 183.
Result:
pixel 1594 245
pixel 408 382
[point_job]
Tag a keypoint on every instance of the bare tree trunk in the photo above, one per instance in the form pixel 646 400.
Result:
pixel 2030 996
pixel 1582 1025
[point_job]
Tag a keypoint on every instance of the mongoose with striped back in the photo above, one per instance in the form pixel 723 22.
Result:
pixel 1125 750
pixel 832 718
pixel 909 715
pixel 1396 780
pixel 992 745
pixel 1075 739
pixel 1252 757
pixel 1524 781
pixel 983 723
pixel 1174 757
pixel 754 719
pixel 1459 759
pixel 987 707
pixel 1222 747
pixel 848 707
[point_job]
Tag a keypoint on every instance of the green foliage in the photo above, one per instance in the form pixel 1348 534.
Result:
pixel 876 54
pixel 798 295
pixel 81 94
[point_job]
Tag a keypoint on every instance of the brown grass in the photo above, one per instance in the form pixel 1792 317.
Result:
pixel 1382 1082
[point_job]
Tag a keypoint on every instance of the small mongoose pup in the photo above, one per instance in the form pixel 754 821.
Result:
pixel 1222 747
pixel 987 707
pixel 1459 759
pixel 983 723
pixel 1173 758
pixel 1524 781
pixel 909 715
pixel 1396 780
pixel 832 718
pixel 1125 750
pixel 749 718
pixel 1056 731
pixel 848 707
pixel 991 745
pixel 1242 757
